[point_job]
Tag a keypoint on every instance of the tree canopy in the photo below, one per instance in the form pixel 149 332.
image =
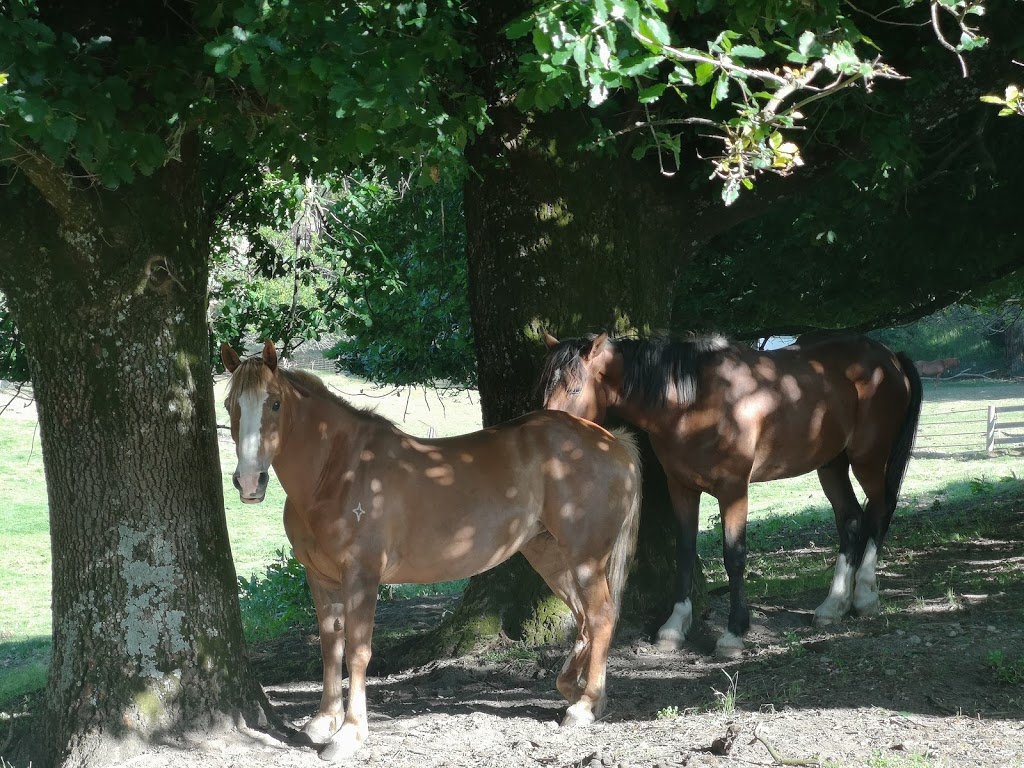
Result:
pixel 585 133
pixel 875 96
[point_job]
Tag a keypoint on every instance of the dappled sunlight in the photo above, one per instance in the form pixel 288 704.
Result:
pixel 372 504
pixel 723 416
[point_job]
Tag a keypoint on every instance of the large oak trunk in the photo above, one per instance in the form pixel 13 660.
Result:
pixel 551 241
pixel 109 293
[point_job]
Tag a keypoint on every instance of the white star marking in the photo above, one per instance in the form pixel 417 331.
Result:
pixel 359 512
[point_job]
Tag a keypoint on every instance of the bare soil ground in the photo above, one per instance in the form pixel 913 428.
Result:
pixel 914 686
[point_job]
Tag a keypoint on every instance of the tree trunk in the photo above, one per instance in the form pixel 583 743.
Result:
pixel 108 289
pixel 573 242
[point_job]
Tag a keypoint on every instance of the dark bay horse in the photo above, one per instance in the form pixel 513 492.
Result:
pixel 721 416
pixel 368 504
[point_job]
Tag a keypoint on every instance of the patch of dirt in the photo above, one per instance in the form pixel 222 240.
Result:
pixel 914 686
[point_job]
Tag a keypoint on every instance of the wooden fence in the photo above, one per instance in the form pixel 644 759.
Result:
pixel 1003 432
pixel 980 429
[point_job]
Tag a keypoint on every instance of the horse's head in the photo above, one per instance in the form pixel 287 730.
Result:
pixel 253 403
pixel 580 376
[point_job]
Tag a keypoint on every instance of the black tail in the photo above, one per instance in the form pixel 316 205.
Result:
pixel 904 445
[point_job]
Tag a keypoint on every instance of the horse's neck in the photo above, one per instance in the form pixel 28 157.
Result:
pixel 644 417
pixel 323 436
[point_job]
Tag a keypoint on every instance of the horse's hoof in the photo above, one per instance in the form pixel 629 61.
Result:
pixel 669 640
pixel 869 608
pixel 729 646
pixel 318 731
pixel 673 631
pixel 578 715
pixel 344 744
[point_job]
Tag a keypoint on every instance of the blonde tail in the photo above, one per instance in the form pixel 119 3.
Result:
pixel 625 543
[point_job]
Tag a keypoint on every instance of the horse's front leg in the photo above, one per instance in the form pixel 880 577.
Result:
pixel 360 605
pixel 686 504
pixel 733 507
pixel 331 619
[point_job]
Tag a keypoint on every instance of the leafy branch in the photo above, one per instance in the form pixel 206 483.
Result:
pixel 617 46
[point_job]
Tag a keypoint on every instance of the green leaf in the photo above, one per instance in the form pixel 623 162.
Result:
pixel 704 71
pixel 632 66
pixel 721 90
pixel 652 92
pixel 806 41
pixel 730 192
pixel 655 29
pixel 542 42
pixel 747 52
pixel 63 128
pixel 519 28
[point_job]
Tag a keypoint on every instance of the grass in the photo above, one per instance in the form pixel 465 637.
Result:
pixel 935 480
pixel 784 515
pixel 911 760
pixel 256 531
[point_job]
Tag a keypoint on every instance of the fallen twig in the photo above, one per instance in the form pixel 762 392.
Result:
pixel 779 759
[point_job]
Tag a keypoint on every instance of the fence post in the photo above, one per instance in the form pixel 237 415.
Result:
pixel 990 433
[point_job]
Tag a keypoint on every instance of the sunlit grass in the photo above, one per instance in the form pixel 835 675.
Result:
pixel 256 531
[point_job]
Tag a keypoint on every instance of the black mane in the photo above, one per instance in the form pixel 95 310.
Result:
pixel 650 366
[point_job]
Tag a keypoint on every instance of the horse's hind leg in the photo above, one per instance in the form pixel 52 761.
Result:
pixel 599 615
pixel 877 514
pixel 547 558
pixel 686 504
pixel 835 482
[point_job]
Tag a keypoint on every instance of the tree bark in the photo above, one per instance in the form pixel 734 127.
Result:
pixel 573 242
pixel 108 289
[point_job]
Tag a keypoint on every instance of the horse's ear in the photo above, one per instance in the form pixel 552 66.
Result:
pixel 270 355
pixel 229 357
pixel 597 345
pixel 550 340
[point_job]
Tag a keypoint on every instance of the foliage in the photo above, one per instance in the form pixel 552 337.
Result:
pixel 404 311
pixel 1012 101
pixel 13 363
pixel 257 76
pixel 957 331
pixel 765 64
pixel 380 265
pixel 1007 670
pixel 277 601
pixel 670 712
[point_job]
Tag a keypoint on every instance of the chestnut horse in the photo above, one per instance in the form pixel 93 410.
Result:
pixel 721 416
pixel 368 505
pixel 936 367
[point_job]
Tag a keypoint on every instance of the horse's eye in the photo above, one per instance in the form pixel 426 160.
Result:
pixel 276 406
pixel 575 391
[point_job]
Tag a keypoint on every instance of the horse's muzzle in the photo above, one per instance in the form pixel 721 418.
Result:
pixel 251 488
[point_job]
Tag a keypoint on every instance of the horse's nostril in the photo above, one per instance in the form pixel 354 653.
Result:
pixel 234 479
pixel 264 479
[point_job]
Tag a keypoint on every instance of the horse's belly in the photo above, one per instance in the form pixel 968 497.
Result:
pixel 435 553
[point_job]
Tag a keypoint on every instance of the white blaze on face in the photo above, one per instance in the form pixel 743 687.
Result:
pixel 250 423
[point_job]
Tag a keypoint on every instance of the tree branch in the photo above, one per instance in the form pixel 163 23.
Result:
pixel 942 38
pixel 55 187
